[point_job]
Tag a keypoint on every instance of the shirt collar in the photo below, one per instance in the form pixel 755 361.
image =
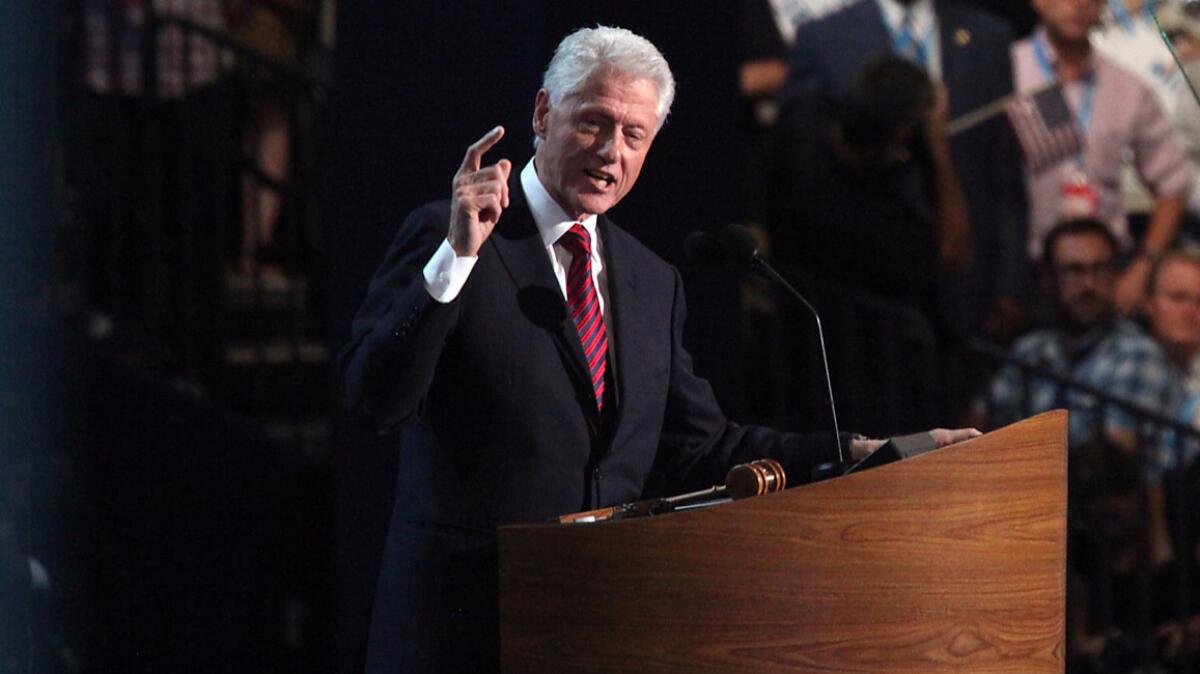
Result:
pixel 923 17
pixel 552 221
pixel 1039 36
pixel 1078 347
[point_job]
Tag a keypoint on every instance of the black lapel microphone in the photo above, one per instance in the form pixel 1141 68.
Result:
pixel 735 248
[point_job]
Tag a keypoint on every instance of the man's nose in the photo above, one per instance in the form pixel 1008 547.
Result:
pixel 610 148
pixel 1097 285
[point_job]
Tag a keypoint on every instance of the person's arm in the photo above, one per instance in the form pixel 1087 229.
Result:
pixel 1149 382
pixel 1163 167
pixel 1160 232
pixel 1157 532
pixel 955 243
pixel 399 332
pixel 698 444
pixel 762 78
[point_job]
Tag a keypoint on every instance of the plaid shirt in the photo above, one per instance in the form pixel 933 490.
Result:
pixel 1187 410
pixel 1125 362
pixel 203 57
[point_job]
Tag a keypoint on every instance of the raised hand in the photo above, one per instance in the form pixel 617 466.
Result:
pixel 478 197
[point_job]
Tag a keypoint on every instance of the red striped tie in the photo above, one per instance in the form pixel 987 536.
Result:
pixel 584 305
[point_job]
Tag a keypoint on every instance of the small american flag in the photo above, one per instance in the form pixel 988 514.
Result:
pixel 1045 127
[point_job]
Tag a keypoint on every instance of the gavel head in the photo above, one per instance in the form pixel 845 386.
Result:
pixel 755 479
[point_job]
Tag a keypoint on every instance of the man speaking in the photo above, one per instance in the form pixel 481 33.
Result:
pixel 529 354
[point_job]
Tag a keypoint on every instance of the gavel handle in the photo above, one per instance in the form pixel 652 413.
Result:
pixel 702 495
pixel 770 478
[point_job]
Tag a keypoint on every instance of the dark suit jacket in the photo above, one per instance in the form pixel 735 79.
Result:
pixel 827 57
pixel 497 423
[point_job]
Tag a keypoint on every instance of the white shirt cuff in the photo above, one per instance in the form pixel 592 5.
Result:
pixel 446 272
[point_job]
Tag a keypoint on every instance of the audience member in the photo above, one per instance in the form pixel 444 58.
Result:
pixel 1128 36
pixel 1173 307
pixel 855 185
pixel 1117 115
pixel 1088 342
pixel 967 51
pixel 1173 315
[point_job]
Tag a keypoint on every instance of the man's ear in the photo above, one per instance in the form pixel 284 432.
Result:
pixel 541 113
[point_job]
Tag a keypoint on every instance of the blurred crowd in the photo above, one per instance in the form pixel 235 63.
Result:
pixel 1034 192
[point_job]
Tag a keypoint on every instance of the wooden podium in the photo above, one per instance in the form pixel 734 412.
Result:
pixel 952 561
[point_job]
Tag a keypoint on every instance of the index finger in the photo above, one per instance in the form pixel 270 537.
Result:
pixel 475 153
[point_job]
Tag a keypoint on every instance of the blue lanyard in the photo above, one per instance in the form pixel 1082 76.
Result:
pixel 1083 117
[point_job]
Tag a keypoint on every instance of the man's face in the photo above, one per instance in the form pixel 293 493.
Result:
pixel 1068 19
pixel 1084 278
pixel 1174 306
pixel 594 142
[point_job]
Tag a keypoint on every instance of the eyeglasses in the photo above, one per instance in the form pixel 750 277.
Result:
pixel 1077 271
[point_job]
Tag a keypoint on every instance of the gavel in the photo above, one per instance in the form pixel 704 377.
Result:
pixel 742 481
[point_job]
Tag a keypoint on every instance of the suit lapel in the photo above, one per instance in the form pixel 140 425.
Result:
pixel 622 301
pixel 519 246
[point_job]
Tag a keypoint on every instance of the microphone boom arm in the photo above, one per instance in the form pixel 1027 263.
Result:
pixel 767 270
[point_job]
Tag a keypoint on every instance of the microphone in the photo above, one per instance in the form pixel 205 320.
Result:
pixel 735 248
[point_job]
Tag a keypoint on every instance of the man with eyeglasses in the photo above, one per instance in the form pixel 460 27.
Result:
pixel 1093 345
pixel 1088 342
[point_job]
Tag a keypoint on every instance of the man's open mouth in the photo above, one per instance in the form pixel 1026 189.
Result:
pixel 601 176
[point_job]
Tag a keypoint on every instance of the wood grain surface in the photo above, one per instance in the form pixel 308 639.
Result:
pixel 953 561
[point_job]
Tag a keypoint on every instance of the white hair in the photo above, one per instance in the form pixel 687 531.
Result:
pixel 587 51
